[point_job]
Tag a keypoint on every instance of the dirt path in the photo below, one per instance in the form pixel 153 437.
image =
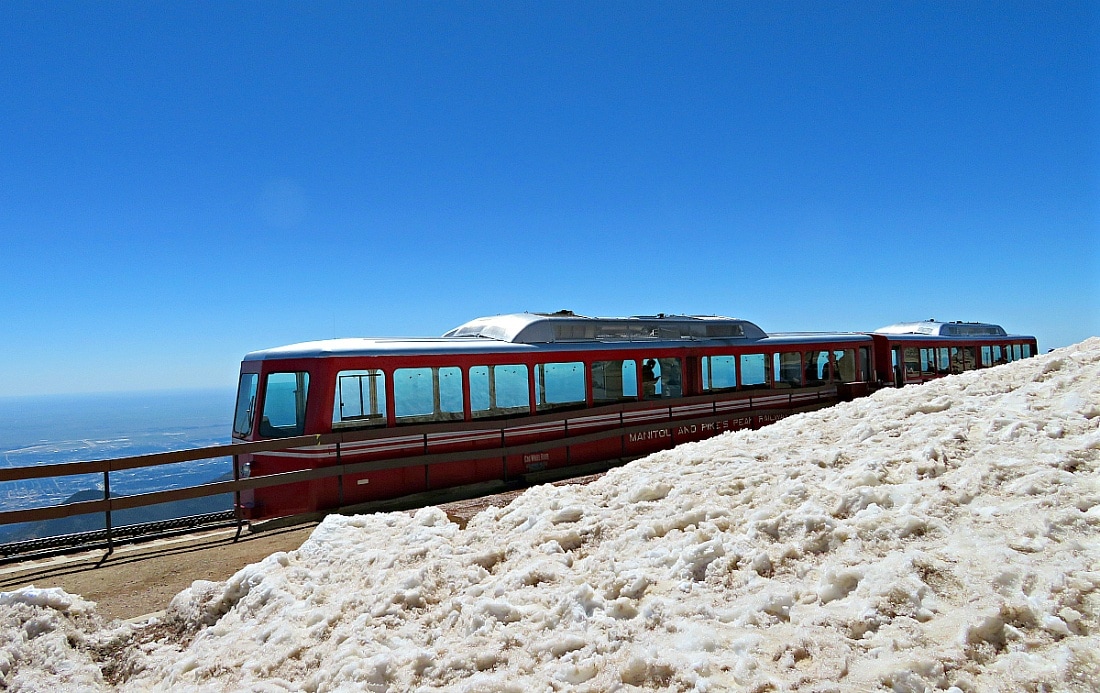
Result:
pixel 140 579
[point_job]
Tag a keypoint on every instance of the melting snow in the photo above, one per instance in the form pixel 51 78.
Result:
pixel 935 537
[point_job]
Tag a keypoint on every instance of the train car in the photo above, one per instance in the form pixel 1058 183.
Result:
pixel 538 393
pixel 915 352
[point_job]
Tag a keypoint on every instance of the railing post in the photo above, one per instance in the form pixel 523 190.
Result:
pixel 237 514
pixel 622 436
pixel 339 478
pixel 565 432
pixel 107 512
pixel 427 467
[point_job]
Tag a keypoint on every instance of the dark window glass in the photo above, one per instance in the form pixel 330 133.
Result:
pixel 817 367
pixel 246 405
pixel 788 369
pixel 844 362
pixel 969 360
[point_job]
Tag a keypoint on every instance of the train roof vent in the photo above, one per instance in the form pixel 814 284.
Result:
pixel 945 329
pixel 536 328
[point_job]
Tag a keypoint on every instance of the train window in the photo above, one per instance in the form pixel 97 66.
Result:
pixel 614 381
pixel 928 361
pixel 754 371
pixel 969 360
pixel 1027 351
pixel 961 359
pixel 284 412
pixel 449 385
pixel 651 372
pixel 559 385
pixel 943 360
pixel 671 373
pixel 912 362
pixel 246 403
pixel 662 378
pixel 864 363
pixel 360 398
pixel 817 367
pixel 998 355
pixel 499 391
pixel 844 362
pixel 788 369
pixel 1017 353
pixel 427 394
pixel 719 373
pixel 987 358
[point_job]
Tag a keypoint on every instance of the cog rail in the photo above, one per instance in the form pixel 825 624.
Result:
pixel 45 547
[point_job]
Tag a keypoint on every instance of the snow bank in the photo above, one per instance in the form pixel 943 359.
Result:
pixel 935 537
pixel 52 639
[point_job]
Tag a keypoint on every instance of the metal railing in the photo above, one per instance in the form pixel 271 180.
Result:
pixel 676 425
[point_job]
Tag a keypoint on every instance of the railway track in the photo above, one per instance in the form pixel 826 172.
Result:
pixel 42 547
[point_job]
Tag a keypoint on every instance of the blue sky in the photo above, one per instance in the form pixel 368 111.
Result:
pixel 181 183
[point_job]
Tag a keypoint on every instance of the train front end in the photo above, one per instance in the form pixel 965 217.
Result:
pixel 275 402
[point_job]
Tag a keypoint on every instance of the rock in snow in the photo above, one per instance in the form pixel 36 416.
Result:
pixel 940 537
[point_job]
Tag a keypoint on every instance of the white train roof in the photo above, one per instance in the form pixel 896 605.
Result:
pixel 564 331
pixel 522 332
pixel 565 326
pixel 815 337
pixel 935 328
pixel 357 346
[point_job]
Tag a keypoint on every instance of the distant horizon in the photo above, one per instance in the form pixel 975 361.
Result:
pixel 230 388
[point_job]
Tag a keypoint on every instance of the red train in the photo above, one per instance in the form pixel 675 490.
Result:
pixel 515 395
